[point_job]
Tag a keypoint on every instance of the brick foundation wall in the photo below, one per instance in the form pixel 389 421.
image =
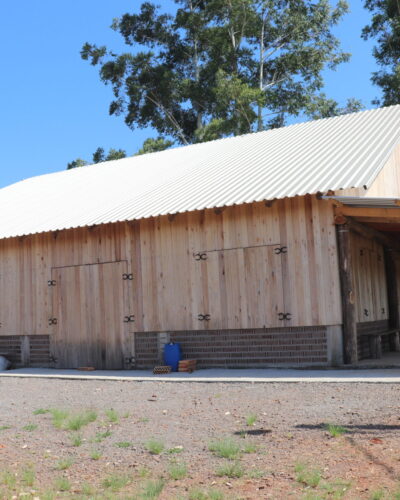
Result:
pixel 368 328
pixel 39 350
pixel 241 348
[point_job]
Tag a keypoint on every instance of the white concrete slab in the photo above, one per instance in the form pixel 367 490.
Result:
pixel 218 375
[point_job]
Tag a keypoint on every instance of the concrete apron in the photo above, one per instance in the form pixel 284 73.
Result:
pixel 218 375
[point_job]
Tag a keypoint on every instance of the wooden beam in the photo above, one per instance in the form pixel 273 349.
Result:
pixel 384 213
pixel 393 298
pixel 350 354
pixel 367 232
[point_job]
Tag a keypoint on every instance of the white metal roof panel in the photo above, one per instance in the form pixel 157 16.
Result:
pixel 316 156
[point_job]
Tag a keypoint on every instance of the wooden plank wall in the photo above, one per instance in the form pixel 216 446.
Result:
pixel 370 279
pixel 170 288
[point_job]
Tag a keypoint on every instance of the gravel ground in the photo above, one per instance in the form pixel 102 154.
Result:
pixel 290 447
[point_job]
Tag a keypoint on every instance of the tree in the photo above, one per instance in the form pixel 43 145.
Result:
pixel 219 67
pixel 385 28
pixel 98 157
pixel 154 145
pixel 76 163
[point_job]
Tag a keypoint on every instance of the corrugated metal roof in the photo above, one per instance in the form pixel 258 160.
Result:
pixel 316 156
pixel 364 202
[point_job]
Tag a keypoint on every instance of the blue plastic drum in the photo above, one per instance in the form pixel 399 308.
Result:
pixel 172 355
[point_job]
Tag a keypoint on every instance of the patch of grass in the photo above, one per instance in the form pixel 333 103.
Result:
pixel 4 427
pixel 232 470
pixel 62 484
pixel 28 477
pixel 58 417
pixel 177 471
pixel 76 439
pixel 100 436
pixel 225 448
pixel 255 474
pixel 249 448
pixel 335 430
pixel 87 489
pixel 125 414
pixel 30 427
pixel 115 482
pixel 377 495
pixel 64 464
pixel 306 476
pixel 336 489
pixel 154 446
pixel 41 411
pixel 112 415
pixel 144 420
pixel 8 479
pixel 215 495
pixel 251 420
pixel 95 455
pixel 48 495
pixel 175 449
pixel 143 472
pixel 123 444
pixel 76 422
pixel 197 494
pixel 152 489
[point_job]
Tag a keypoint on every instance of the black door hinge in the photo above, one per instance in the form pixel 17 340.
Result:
pixel 126 276
pixel 200 256
pixel 51 283
pixel 129 319
pixel 52 321
pixel 284 316
pixel 204 317
pixel 280 250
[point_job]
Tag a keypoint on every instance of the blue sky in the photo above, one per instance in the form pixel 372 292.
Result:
pixel 54 107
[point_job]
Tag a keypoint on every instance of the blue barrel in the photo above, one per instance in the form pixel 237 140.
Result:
pixel 172 355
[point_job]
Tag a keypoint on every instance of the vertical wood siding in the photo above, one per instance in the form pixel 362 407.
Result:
pixel 242 284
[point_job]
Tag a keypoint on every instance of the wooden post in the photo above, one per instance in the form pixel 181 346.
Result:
pixel 393 299
pixel 350 354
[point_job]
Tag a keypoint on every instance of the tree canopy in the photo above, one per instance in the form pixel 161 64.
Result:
pixel 385 28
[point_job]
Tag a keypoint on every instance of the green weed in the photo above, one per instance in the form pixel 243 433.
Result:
pixel 225 448
pixel 335 430
pixel 115 482
pixel 62 484
pixel 76 439
pixel 154 446
pixel 249 448
pixel 177 471
pixel 41 411
pixel 197 494
pixel 152 489
pixel 112 415
pixel 76 422
pixel 232 470
pixel 4 427
pixel 100 436
pixel 251 420
pixel 95 455
pixel 8 479
pixel 64 464
pixel 123 444
pixel 28 477
pixel 30 427
pixel 58 417
pixel 308 477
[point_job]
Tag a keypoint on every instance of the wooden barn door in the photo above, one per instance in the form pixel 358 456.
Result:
pixel 90 312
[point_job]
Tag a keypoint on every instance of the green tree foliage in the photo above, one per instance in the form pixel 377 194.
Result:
pixel 385 28
pixel 76 163
pixel 220 67
pixel 154 145
pixel 98 157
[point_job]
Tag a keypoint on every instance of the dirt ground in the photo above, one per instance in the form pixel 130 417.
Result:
pixel 143 440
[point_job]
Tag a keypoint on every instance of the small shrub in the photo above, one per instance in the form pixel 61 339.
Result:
pixel 225 448
pixel 112 415
pixel 232 470
pixel 123 444
pixel 30 427
pixel 143 472
pixel 87 489
pixel 255 474
pixel 177 471
pixel 64 464
pixel 308 477
pixel 377 495
pixel 154 446
pixel 95 455
pixel 335 430
pixel 41 411
pixel 28 477
pixel 76 439
pixel 4 427
pixel 62 484
pixel 115 482
pixel 251 420
pixel 152 489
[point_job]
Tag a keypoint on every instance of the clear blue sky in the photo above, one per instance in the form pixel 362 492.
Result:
pixel 54 107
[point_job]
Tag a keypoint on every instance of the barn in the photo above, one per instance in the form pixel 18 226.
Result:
pixel 278 248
